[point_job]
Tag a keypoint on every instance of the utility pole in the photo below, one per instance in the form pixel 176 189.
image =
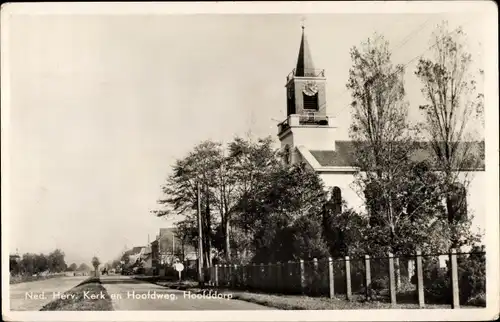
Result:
pixel 200 237
pixel 173 245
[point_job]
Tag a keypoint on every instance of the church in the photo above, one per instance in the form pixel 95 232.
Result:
pixel 309 135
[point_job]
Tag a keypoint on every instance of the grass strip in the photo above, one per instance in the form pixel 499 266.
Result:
pixel 293 302
pixel 303 302
pixel 89 295
pixel 297 302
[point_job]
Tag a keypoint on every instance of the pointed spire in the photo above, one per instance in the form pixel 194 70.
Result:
pixel 305 66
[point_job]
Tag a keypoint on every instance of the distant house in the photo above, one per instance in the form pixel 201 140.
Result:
pixel 171 248
pixel 132 257
pixel 147 262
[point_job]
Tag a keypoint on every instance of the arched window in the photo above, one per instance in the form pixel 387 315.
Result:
pixel 337 199
pixel 456 203
pixel 374 203
pixel 420 194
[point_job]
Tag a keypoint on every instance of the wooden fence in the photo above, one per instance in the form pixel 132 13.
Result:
pixel 366 276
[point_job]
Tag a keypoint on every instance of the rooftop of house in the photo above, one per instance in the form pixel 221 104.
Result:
pixel 135 250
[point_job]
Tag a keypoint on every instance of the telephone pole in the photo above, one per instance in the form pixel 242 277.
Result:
pixel 200 237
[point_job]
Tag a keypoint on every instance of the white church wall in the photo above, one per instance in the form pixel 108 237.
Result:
pixel 314 139
pixel 475 193
pixel 476 197
pixel 345 181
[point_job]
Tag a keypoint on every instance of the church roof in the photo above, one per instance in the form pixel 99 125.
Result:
pixel 305 66
pixel 343 157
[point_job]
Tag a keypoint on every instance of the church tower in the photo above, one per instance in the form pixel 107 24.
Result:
pixel 308 124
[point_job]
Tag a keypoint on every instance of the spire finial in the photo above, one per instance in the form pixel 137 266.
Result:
pixel 303 23
pixel 304 61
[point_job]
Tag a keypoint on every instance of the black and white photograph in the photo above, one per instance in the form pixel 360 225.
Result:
pixel 297 161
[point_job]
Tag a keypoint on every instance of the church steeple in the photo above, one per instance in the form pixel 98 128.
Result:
pixel 305 84
pixel 305 66
pixel 308 123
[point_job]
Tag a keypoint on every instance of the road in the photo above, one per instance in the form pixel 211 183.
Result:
pixel 128 294
pixel 32 296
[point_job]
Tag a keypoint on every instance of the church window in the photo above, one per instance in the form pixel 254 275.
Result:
pixel 374 203
pixel 337 199
pixel 456 202
pixel 290 101
pixel 286 155
pixel 311 102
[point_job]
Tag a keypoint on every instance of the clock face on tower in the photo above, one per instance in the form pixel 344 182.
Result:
pixel 310 88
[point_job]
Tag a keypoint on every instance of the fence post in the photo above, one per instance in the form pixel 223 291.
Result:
pixel 216 277
pixel 290 276
pixel 231 275
pixel 454 280
pixel 243 279
pixel 259 276
pixel 256 276
pixel 236 276
pixel 315 276
pixel 302 276
pixel 269 276
pixel 252 275
pixel 330 277
pixel 392 281
pixel 368 278
pixel 420 280
pixel 348 278
pixel 278 276
pixel 224 275
pixel 397 270
pixel 221 277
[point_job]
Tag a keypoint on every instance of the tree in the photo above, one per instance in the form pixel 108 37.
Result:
pixel 96 262
pixel 14 265
pixel 41 263
pixel 286 214
pixel 225 177
pixel 56 261
pixel 345 231
pixel 252 162
pixel 449 87
pixel 83 267
pixel 198 167
pixel 28 264
pixel 73 267
pixel 383 147
pixel 307 241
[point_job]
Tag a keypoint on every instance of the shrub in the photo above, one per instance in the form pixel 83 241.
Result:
pixel 380 283
pixel 478 300
pixel 471 278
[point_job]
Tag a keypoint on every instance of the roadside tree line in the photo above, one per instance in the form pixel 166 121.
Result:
pixel 54 262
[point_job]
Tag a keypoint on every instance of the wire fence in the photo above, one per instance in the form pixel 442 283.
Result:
pixel 451 278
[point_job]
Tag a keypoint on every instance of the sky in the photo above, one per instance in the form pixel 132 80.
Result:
pixel 102 105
